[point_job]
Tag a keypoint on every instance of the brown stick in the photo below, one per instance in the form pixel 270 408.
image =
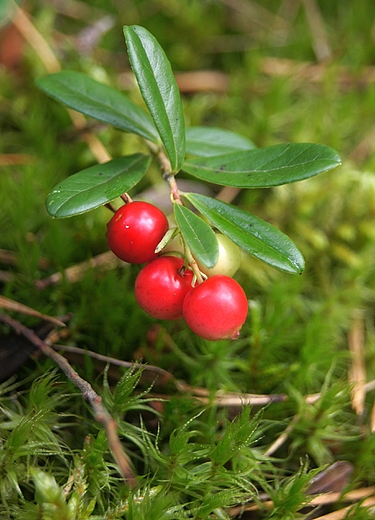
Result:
pixel 357 368
pixel 89 394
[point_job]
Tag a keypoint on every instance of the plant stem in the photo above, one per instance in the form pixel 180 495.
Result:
pixel 126 198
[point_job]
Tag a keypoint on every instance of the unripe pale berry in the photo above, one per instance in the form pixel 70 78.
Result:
pixel 229 258
pixel 135 230
pixel 216 309
pixel 161 287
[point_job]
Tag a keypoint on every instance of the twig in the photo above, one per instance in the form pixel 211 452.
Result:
pixel 31 34
pixel 167 376
pixel 12 305
pixel 357 369
pixel 199 393
pixel 324 499
pixel 75 273
pixel 95 401
pixel 343 513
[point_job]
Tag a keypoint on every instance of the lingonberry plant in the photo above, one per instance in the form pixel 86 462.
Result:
pixel 169 286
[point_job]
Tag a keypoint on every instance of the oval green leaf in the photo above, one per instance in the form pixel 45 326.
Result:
pixel 252 234
pixel 198 234
pixel 206 141
pixel 95 186
pixel 84 94
pixel 159 90
pixel 265 167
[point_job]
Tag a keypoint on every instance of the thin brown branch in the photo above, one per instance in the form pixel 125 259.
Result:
pixel 164 374
pixel 89 394
pixel 12 305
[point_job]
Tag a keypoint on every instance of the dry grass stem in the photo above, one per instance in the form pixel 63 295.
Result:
pixel 364 494
pixel 318 32
pixel 11 305
pixel 75 273
pixel 52 65
pixel 35 39
pixel 357 369
pixel 372 419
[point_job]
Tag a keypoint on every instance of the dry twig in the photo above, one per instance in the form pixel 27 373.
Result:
pixel 12 305
pixel 323 499
pixel 30 33
pixel 75 273
pixel 100 413
pixel 357 370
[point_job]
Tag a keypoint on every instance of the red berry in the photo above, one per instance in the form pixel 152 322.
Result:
pixel 135 230
pixel 216 309
pixel 161 286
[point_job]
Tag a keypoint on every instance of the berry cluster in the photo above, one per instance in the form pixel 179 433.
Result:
pixel 166 287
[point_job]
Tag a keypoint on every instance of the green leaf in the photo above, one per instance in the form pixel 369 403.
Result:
pixel 95 186
pixel 206 141
pixel 159 90
pixel 198 234
pixel 265 167
pixel 252 234
pixel 78 91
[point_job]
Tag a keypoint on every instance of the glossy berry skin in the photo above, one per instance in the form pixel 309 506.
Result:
pixel 216 309
pixel 161 287
pixel 135 230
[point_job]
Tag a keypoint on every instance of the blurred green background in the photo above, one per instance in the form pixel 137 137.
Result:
pixel 275 71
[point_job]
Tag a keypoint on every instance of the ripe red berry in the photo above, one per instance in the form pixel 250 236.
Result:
pixel 135 230
pixel 216 309
pixel 161 286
